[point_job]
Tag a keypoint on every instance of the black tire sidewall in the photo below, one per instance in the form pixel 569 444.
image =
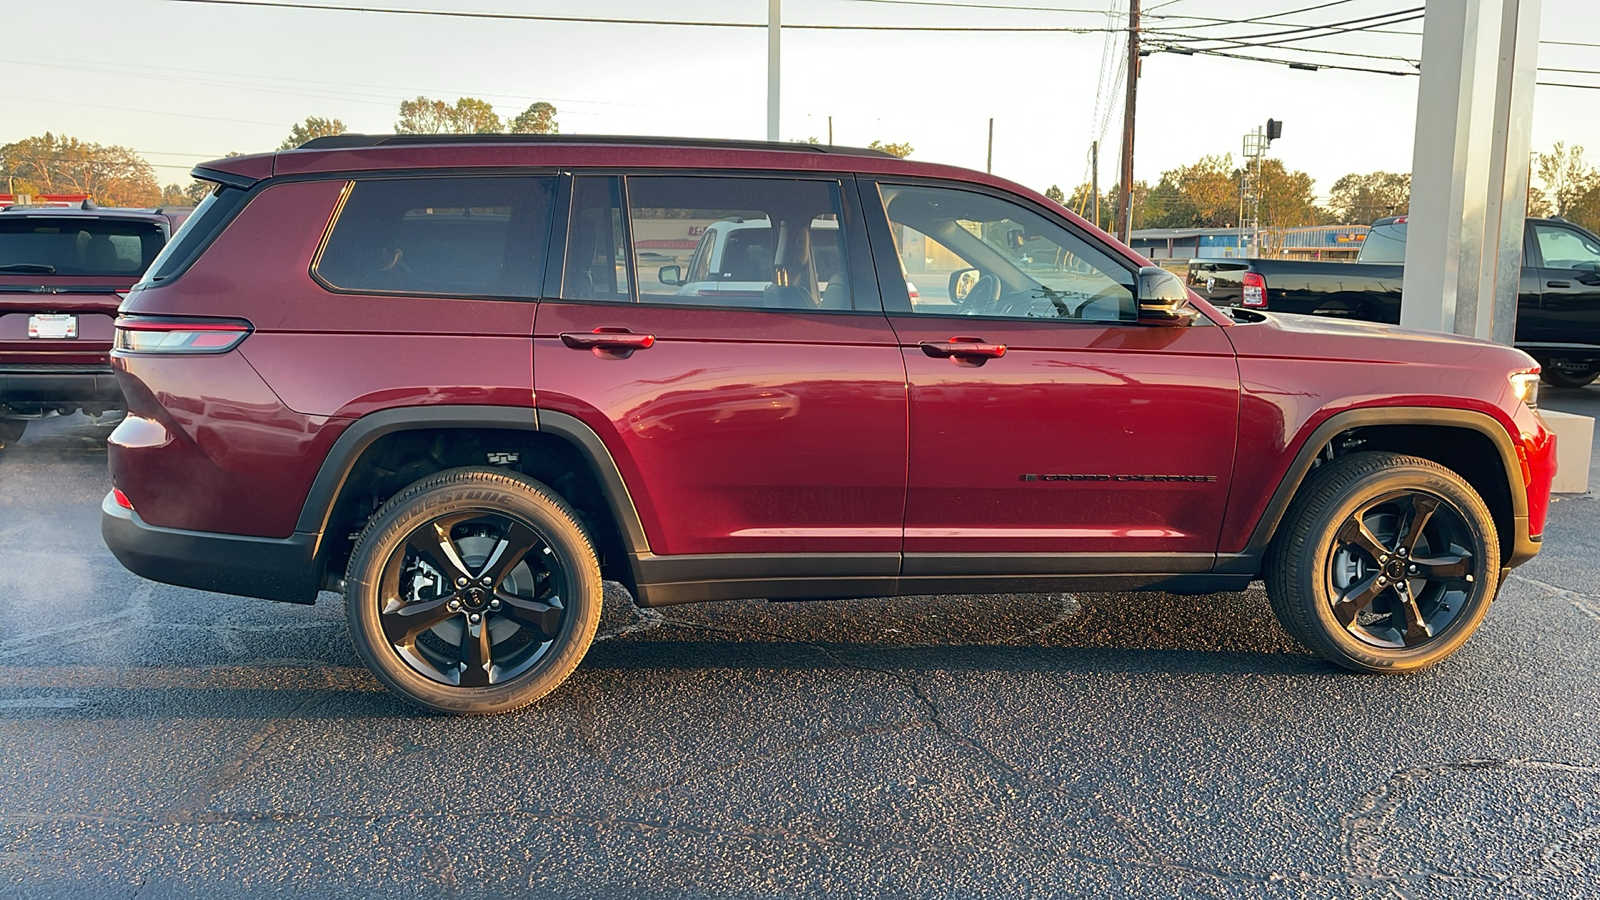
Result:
pixel 1312 560
pixel 1560 378
pixel 492 491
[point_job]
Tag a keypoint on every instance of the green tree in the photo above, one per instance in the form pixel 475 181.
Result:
pixel 540 118
pixel 1567 177
pixel 1202 195
pixel 900 150
pixel 175 195
pixel 197 191
pixel 468 115
pixel 1359 199
pixel 1286 197
pixel 1081 202
pixel 1053 192
pixel 57 164
pixel 312 127
pixel 1110 206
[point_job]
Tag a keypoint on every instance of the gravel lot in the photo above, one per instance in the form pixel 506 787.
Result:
pixel 163 742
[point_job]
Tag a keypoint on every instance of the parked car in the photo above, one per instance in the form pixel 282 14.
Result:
pixel 61 271
pixel 422 371
pixel 1558 309
pixel 733 259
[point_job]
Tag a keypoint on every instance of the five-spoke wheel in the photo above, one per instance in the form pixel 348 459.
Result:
pixel 1384 562
pixel 474 591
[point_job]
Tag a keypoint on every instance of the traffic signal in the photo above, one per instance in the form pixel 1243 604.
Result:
pixel 1274 130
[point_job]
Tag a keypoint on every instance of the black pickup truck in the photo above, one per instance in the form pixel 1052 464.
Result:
pixel 1558 308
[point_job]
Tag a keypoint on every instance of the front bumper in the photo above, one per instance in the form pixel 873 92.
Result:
pixel 268 568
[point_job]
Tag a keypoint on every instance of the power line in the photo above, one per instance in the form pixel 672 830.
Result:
pixel 1268 17
pixel 594 20
pixel 948 5
pixel 1581 87
pixel 1282 62
pixel 1414 13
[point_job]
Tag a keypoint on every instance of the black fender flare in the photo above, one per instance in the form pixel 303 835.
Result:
pixel 363 432
pixel 1341 422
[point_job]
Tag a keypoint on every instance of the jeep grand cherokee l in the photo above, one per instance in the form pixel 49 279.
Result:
pixel 424 372
pixel 61 271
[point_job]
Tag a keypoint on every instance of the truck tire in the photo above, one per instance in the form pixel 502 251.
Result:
pixel 1383 563
pixel 473 591
pixel 1571 377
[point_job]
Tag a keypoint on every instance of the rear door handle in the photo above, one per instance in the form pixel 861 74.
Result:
pixel 609 343
pixel 973 350
pixel 1558 284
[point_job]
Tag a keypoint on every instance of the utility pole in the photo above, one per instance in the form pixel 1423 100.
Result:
pixel 830 131
pixel 989 166
pixel 1094 179
pixel 1125 207
pixel 774 30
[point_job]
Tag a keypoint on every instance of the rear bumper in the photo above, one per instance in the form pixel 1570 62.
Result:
pixel 29 388
pixel 268 568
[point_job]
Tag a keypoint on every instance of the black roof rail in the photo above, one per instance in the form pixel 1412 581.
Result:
pixel 348 141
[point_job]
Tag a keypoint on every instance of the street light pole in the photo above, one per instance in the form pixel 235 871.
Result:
pixel 774 32
pixel 1125 204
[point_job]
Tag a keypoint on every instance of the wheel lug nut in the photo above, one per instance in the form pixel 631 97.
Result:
pixel 1382 559
pixel 494 604
pixel 1404 552
pixel 474 618
pixel 1411 569
pixel 1382 580
pixel 455 604
pixel 486 581
pixel 461 582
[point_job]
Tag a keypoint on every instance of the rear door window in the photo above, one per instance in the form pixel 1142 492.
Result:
pixel 465 236
pixel 739 242
pixel 78 245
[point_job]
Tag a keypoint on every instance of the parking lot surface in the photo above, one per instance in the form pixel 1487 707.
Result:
pixel 163 742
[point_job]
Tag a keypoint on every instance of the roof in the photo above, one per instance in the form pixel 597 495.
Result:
pixel 346 141
pixel 96 212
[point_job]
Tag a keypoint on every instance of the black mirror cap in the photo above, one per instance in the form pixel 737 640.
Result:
pixel 1163 300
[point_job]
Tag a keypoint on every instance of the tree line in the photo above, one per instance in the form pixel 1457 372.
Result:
pixel 1205 194
pixel 118 176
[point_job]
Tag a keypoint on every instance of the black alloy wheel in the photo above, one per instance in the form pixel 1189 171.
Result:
pixel 1383 562
pixel 1402 569
pixel 473 591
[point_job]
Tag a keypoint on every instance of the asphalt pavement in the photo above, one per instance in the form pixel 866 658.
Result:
pixel 163 742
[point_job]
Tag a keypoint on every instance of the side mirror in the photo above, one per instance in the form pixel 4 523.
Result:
pixel 672 275
pixel 1163 300
pixel 962 281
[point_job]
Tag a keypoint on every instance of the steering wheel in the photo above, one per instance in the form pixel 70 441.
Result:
pixel 1109 293
pixel 985 293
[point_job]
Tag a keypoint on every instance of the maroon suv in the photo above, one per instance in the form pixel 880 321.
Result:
pixel 61 273
pixel 463 380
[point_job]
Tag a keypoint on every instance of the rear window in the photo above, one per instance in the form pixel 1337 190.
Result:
pixel 77 245
pixel 1384 244
pixel 457 236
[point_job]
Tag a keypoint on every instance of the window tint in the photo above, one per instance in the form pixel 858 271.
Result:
pixel 215 211
pixel 77 245
pixel 464 236
pixel 978 255
pixel 745 242
pixel 1566 249
pixel 597 256
pixel 1384 244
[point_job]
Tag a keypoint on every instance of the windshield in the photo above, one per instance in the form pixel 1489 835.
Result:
pixel 77 245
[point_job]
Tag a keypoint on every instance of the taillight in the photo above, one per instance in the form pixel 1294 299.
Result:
pixel 121 498
pixel 141 334
pixel 1255 290
pixel 912 292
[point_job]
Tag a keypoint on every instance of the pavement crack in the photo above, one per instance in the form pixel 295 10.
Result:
pixel 1587 604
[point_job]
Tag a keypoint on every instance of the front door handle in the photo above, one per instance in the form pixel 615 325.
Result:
pixel 1558 284
pixel 962 349
pixel 608 343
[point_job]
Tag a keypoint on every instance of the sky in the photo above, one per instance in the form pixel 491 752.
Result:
pixel 184 82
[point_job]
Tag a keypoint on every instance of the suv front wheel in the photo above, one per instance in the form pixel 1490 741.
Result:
pixel 1384 563
pixel 473 591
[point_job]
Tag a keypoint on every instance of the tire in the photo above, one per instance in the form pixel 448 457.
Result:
pixel 1332 593
pixel 523 607
pixel 1576 378
pixel 11 431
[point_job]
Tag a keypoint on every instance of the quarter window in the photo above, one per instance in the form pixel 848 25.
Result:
pixel 459 236
pixel 978 255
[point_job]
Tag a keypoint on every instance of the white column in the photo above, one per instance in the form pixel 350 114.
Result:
pixel 1469 169
pixel 774 45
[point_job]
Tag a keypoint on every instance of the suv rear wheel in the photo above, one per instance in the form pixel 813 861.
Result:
pixel 1384 563
pixel 1570 375
pixel 473 591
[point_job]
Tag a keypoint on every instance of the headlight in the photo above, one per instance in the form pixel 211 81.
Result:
pixel 1526 386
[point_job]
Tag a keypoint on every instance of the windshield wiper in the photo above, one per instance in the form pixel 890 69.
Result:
pixel 30 268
